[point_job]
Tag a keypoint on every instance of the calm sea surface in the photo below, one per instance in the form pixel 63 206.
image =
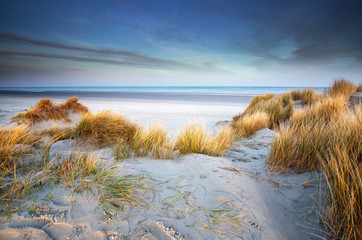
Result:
pixel 164 89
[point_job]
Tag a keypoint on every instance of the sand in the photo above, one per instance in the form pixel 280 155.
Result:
pixel 192 197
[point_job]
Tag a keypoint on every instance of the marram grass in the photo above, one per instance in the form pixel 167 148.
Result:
pixel 45 110
pixel 250 123
pixel 327 137
pixel 152 141
pixel 342 87
pixel 105 128
pixel 194 138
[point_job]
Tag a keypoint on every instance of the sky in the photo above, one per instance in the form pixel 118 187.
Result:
pixel 180 42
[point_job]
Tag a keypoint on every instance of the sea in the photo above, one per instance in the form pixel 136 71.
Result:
pixel 243 90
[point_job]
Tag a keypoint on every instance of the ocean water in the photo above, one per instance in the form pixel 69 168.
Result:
pixel 164 89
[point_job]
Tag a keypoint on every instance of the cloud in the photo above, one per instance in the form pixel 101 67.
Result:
pixel 306 33
pixel 137 63
pixel 105 55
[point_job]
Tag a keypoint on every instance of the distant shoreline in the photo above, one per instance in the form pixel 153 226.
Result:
pixel 167 97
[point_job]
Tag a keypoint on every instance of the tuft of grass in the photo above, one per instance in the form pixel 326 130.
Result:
pixel 77 172
pixel 278 110
pixel 45 110
pixel 327 137
pixel 152 141
pixel 122 151
pixel 57 133
pixel 342 87
pixel 194 138
pixel 324 110
pixel 73 105
pixel 305 95
pixel 259 99
pixel 105 128
pixel 251 123
pixel 14 143
pixel 359 88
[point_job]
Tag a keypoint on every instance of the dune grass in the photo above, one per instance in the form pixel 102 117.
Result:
pixel 305 95
pixel 194 138
pixel 45 110
pixel 105 128
pixel 248 125
pixel 276 108
pixel 77 172
pixel 342 87
pixel 324 110
pixel 14 143
pixel 359 88
pixel 72 105
pixel 333 145
pixel 153 142
pixel 327 136
pixel 57 133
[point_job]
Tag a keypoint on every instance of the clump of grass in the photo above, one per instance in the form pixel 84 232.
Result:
pixel 359 88
pixel 73 105
pixel 77 172
pixel 327 136
pixel 342 87
pixel 194 138
pixel 45 110
pixel 105 128
pixel 251 123
pixel 278 109
pixel 305 95
pixel 258 99
pixel 14 143
pixel 57 133
pixel 152 141
pixel 122 151
pixel 324 110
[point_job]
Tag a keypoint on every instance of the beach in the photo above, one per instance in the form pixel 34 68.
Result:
pixel 192 196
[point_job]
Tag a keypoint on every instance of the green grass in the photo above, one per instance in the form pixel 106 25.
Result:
pixel 76 173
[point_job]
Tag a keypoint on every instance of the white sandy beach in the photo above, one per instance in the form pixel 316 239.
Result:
pixel 193 196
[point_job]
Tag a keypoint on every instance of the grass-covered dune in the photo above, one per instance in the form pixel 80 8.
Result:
pixel 316 132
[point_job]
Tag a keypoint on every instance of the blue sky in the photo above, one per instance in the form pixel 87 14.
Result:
pixel 189 42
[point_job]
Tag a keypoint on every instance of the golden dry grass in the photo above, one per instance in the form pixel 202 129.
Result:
pixel 45 110
pixel 57 133
pixel 152 141
pixel 250 123
pixel 359 88
pixel 327 136
pixel 194 138
pixel 277 108
pixel 258 99
pixel 305 95
pixel 324 110
pixel 342 87
pixel 105 128
pixel 13 143
pixel 73 105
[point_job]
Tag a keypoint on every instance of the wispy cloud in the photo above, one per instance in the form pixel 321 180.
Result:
pixel 103 55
